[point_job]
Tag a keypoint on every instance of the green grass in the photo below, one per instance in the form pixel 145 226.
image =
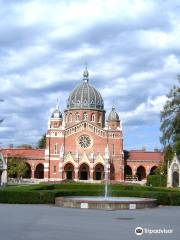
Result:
pixel 46 193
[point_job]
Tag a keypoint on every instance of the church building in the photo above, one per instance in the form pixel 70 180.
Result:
pixel 84 141
pixel 79 142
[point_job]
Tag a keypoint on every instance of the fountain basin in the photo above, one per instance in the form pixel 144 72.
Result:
pixel 109 203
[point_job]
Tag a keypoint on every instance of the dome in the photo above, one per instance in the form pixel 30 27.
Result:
pixel 113 116
pixel 85 96
pixel 56 113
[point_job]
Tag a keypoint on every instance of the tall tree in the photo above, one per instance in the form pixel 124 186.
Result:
pixel 17 167
pixel 170 123
pixel 42 142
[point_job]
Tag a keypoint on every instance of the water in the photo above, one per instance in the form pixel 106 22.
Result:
pixel 110 199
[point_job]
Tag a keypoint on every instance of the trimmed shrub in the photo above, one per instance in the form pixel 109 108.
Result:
pixel 8 196
pixel 156 181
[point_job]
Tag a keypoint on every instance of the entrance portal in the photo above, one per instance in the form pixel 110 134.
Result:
pixel 84 172
pixel 99 172
pixel 69 170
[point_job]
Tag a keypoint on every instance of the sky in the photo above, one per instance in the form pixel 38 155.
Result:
pixel 132 49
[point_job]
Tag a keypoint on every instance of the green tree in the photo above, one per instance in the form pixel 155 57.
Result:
pixel 17 167
pixel 170 125
pixel 26 146
pixel 42 142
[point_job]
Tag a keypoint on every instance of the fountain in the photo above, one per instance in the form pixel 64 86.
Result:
pixel 106 202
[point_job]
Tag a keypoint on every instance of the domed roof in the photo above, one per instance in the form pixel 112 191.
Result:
pixel 113 116
pixel 56 113
pixel 85 96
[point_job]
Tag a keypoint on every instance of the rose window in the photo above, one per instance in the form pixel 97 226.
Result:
pixel 84 141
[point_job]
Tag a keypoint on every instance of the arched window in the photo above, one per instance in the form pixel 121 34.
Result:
pixel 85 116
pixel 93 117
pixel 77 117
pixel 70 117
pixel 55 148
pixel 113 149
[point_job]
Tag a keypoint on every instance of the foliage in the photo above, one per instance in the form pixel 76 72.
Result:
pixel 170 128
pixel 32 197
pixel 126 155
pixel 17 167
pixel 26 146
pixel 168 156
pixel 42 142
pixel 170 120
pixel 156 181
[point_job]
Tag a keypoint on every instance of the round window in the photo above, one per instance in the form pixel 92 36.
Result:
pixel 84 141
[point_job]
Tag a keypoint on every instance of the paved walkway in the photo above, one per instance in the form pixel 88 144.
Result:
pixel 44 222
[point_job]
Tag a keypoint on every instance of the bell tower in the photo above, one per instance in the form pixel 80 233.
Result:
pixel 56 118
pixel 113 119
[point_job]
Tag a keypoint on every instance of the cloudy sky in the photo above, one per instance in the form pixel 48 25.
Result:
pixel 132 48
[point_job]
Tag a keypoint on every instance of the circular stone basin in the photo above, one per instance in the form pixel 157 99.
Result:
pixel 109 203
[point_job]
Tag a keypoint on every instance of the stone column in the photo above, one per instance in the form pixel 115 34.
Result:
pixel 169 176
pixel 133 171
pixel 76 174
pixel 91 174
pixel 32 173
pixel 148 169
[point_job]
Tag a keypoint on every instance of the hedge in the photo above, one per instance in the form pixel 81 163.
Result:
pixel 31 197
pixel 156 181
pixel 45 194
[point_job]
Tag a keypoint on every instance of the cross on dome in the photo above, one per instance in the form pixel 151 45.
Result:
pixel 86 74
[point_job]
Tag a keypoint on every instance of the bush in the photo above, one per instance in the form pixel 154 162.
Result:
pixel 156 181
pixel 8 196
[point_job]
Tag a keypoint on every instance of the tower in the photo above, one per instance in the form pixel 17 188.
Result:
pixel 113 119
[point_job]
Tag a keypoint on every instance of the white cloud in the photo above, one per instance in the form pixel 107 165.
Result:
pixel 132 48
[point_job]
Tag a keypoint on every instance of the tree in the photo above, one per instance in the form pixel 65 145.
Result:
pixel 170 125
pixel 17 167
pixel 26 146
pixel 42 142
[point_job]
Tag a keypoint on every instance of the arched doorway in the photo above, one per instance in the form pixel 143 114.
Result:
pixel 84 172
pixel 127 171
pixel 175 179
pixel 39 171
pixel 69 170
pixel 141 173
pixel 28 173
pixel 153 169
pixel 99 172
